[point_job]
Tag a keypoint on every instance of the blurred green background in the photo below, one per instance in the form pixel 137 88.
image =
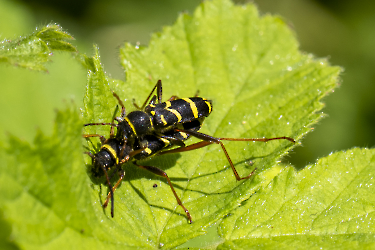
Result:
pixel 343 31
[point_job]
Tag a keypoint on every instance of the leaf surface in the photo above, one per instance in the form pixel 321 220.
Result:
pixel 260 85
pixel 324 205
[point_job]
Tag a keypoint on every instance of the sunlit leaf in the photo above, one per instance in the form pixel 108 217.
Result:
pixel 260 86
pixel 328 204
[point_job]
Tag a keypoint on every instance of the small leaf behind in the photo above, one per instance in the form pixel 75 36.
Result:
pixel 34 50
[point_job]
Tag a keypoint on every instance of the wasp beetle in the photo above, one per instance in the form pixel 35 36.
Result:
pixel 158 128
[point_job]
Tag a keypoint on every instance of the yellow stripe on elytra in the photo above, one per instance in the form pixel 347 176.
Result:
pixel 175 112
pixel 183 134
pixel 111 151
pixel 148 151
pixel 131 125
pixel 153 113
pixel 163 120
pixel 167 104
pixel 152 125
pixel 166 142
pixel 192 106
pixel 209 106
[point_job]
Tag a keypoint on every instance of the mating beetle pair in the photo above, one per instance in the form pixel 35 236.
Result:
pixel 157 128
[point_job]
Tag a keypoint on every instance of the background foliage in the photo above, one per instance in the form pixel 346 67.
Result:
pixel 341 30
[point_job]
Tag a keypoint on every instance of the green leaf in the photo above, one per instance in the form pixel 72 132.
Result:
pixel 34 50
pixel 42 185
pixel 329 204
pixel 261 86
pixel 47 198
